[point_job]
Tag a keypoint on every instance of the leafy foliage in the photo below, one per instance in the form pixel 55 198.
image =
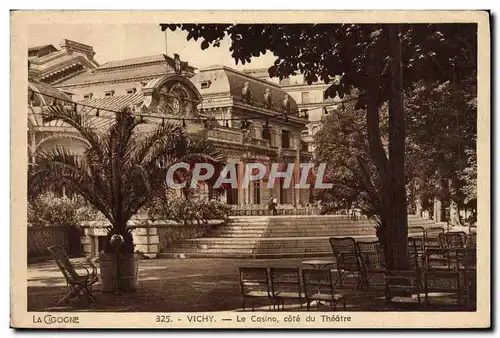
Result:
pixel 342 144
pixel 379 60
pixel 49 210
pixel 188 210
pixel 322 51
pixel 122 170
pixel 442 132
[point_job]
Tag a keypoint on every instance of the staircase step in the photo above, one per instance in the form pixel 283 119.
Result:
pixel 277 237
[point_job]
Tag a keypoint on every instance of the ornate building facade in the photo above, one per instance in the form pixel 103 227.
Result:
pixel 51 65
pixel 309 98
pixel 271 130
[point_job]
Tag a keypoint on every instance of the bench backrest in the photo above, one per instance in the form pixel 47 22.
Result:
pixel 63 263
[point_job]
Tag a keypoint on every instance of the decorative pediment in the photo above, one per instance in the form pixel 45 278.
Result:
pixel 172 95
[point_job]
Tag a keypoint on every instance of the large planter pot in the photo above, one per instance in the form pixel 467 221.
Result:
pixel 128 272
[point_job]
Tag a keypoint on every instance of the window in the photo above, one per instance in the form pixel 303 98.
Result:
pixel 232 193
pixel 256 192
pixel 87 96
pixel 232 196
pixel 285 139
pixel 305 97
pixel 206 84
pixel 109 93
pixel 304 146
pixel 266 133
pixel 212 193
pixel 131 91
pixel 282 191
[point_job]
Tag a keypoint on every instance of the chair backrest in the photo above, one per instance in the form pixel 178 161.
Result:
pixel 317 281
pixel 439 259
pixel 471 240
pixel 416 231
pixel 450 259
pixel 346 253
pixel 466 259
pixel 254 279
pixel 432 236
pixel 415 252
pixel 63 263
pixel 285 279
pixel 371 255
pixel 434 231
pixel 453 240
pixel 401 283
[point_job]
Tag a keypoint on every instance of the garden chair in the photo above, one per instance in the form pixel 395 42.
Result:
pixel 467 264
pixel 403 289
pixel 462 262
pixel 254 283
pixel 444 289
pixel 319 288
pixel 347 257
pixel 285 285
pixel 78 284
pixel 372 261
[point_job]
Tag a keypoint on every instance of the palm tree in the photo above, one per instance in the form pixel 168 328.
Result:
pixel 123 169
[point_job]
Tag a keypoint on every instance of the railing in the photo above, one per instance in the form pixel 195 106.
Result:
pixel 260 142
pixel 263 210
pixel 226 135
pixel 290 152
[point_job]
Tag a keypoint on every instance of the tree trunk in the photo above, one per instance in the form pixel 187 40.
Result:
pixel 393 229
pixel 398 219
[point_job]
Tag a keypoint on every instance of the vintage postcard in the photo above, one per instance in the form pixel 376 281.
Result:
pixel 268 169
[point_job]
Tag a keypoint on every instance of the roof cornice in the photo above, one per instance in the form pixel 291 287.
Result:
pixel 237 72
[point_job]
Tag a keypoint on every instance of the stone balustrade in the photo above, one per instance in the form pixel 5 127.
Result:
pixel 150 237
pixel 263 210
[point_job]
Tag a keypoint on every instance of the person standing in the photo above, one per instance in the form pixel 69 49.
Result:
pixel 272 206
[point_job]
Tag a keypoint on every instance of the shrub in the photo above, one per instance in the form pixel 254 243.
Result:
pixel 188 210
pixel 47 209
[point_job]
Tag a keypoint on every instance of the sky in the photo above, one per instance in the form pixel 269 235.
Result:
pixel 122 41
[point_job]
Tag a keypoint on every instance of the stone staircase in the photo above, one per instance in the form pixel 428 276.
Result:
pixel 278 236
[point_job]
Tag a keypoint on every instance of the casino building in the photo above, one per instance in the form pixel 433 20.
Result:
pixel 270 131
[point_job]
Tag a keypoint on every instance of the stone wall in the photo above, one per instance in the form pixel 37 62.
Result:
pixel 171 233
pixel 39 238
pixel 150 238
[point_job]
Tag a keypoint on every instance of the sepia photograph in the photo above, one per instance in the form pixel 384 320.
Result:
pixel 266 174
